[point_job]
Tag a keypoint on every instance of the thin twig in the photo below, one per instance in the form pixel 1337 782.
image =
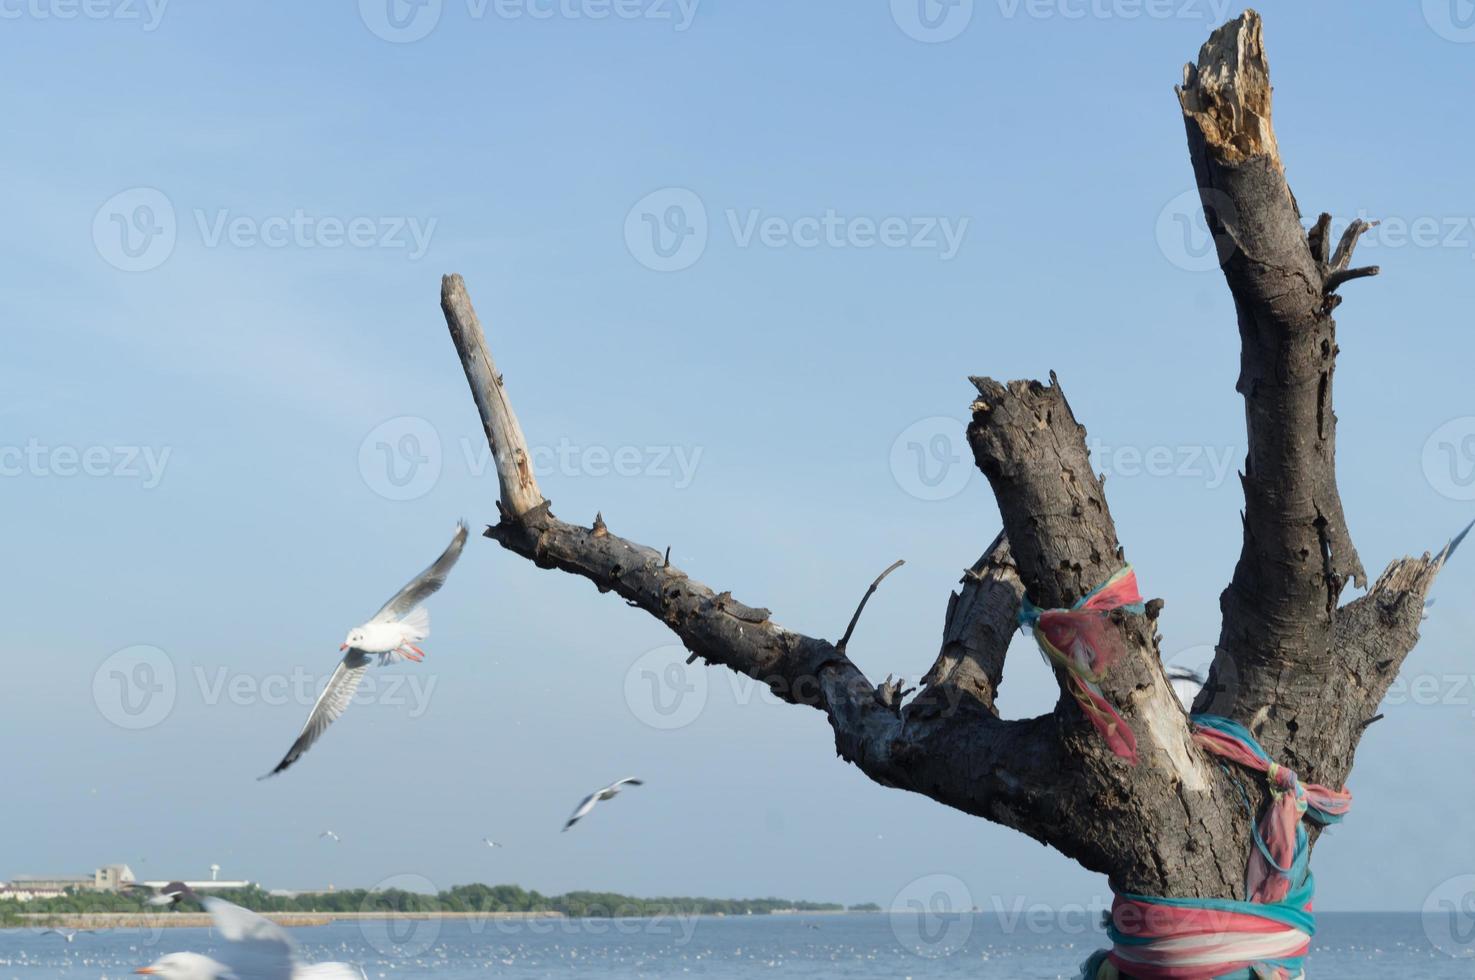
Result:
pixel 863 600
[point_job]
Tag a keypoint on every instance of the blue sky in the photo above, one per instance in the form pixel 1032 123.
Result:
pixel 216 303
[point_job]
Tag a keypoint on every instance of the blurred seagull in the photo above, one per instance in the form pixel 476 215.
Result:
pixel 256 949
pixel 169 894
pixel 392 633
pixel 489 842
pixel 328 834
pixel 608 793
pixel 69 935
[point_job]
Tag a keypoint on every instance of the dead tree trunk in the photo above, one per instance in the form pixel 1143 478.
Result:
pixel 1298 669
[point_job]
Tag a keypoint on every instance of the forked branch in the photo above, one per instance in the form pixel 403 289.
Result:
pixel 942 745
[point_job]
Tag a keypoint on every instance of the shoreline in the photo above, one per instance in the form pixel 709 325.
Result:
pixel 201 920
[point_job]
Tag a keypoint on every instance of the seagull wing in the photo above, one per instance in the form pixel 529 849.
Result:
pixel 583 810
pixel 426 584
pixel 627 781
pixel 330 704
pixel 259 948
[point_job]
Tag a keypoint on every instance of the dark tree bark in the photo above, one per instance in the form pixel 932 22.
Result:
pixel 1303 673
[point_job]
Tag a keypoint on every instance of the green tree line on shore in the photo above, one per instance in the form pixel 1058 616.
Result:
pixel 472 898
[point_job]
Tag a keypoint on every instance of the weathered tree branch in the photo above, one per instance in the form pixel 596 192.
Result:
pixel 1304 673
pixel 519 485
pixel 981 619
pixel 1374 635
pixel 1297 553
pixel 949 749
pixel 1027 442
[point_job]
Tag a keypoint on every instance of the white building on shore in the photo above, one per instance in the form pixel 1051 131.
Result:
pixel 111 878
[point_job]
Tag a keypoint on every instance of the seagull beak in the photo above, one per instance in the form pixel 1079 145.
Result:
pixel 342 647
pixel 146 969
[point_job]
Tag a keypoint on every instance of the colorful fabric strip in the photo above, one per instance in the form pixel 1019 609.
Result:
pixel 1264 938
pixel 1084 642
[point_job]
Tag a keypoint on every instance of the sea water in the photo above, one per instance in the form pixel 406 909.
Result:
pixel 1348 946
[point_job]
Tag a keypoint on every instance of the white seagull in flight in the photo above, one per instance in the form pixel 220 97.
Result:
pixel 489 842
pixel 70 935
pixel 608 793
pixel 330 835
pixel 391 633
pixel 169 894
pixel 256 949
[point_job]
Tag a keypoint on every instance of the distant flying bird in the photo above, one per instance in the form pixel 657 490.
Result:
pixel 489 842
pixel 169 894
pixel 69 935
pixel 256 949
pixel 1186 683
pixel 328 834
pixel 393 632
pixel 608 793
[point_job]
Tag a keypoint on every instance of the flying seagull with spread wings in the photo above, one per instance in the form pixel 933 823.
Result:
pixel 256 949
pixel 608 793
pixel 70 935
pixel 391 634
pixel 170 894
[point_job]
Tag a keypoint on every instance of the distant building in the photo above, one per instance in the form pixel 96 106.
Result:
pixel 51 883
pixel 28 892
pixel 109 878
pixel 112 878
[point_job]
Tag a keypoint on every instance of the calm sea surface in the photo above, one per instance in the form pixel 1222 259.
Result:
pixel 1349 946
